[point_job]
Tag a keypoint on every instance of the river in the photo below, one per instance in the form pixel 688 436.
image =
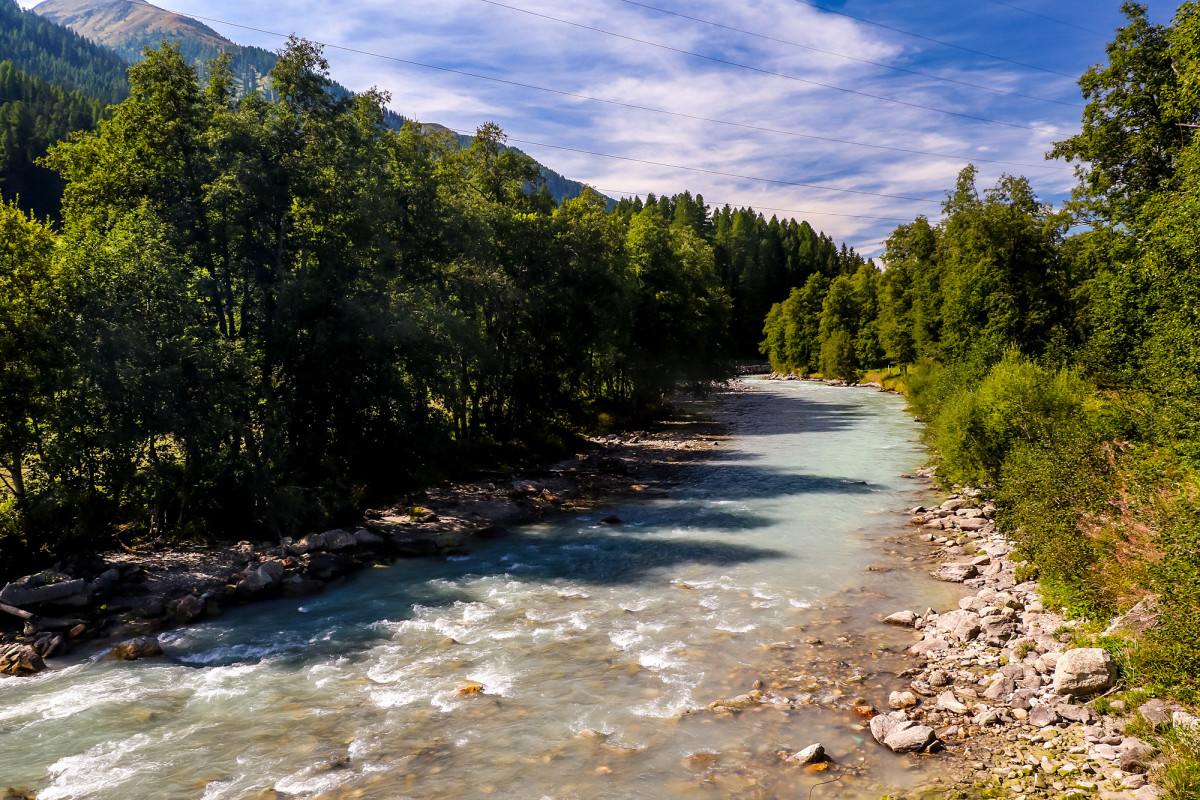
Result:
pixel 570 660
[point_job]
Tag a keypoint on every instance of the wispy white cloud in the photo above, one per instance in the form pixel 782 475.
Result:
pixel 478 37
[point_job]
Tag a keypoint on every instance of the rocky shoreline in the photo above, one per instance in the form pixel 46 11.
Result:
pixel 98 601
pixel 1000 687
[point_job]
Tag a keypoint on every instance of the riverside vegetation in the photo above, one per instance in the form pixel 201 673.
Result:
pixel 260 317
pixel 1055 355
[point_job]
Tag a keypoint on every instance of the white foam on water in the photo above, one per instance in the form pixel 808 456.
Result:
pixel 95 770
pixel 661 658
pixel 624 640
pixel 117 687
pixel 313 782
pixel 731 628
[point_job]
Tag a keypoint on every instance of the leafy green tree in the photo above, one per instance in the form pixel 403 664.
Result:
pixel 1132 131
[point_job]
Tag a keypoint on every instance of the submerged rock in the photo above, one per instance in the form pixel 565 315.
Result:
pixel 905 619
pixel 813 754
pixel 134 649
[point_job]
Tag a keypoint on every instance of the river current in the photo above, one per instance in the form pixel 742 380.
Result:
pixel 572 660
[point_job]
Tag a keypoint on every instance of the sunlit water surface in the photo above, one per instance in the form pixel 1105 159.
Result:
pixel 595 649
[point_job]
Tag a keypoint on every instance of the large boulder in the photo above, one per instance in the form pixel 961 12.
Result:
pixel 905 619
pixel 884 725
pixel 955 573
pixel 20 659
pixel 1084 671
pixel 813 754
pixel 1136 621
pixel 255 580
pixel 996 630
pixel 189 609
pixel 134 649
pixel 963 625
pixel 910 740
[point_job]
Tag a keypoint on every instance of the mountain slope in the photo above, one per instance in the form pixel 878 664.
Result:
pixel 41 49
pixel 127 26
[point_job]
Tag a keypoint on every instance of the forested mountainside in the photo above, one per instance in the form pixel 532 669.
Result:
pixel 42 49
pixel 242 325
pixel 1056 352
pixel 129 26
pixel 35 114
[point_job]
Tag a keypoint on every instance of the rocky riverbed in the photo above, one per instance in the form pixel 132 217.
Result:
pixel 999 685
pixel 134 594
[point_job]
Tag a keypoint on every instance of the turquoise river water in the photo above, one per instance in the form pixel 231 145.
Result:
pixel 595 649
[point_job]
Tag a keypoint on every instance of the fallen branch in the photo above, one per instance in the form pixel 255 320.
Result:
pixel 16 612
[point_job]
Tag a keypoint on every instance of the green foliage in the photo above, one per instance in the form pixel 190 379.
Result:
pixel 35 114
pixel 55 54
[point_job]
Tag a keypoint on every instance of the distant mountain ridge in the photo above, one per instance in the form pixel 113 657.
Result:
pixel 128 26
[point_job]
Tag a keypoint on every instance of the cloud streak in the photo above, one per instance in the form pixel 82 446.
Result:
pixel 475 36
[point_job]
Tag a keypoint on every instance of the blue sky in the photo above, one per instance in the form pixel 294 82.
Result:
pixel 480 37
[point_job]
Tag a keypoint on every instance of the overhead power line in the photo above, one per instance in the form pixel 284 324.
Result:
pixel 931 39
pixel 1047 16
pixel 762 71
pixel 712 171
pixel 852 58
pixel 634 106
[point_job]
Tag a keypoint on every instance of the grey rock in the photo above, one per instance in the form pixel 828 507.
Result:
pixel 189 609
pixel 813 754
pixel 1041 716
pixel 1149 792
pixel 905 619
pixel 364 538
pixel 1136 621
pixel 910 740
pixel 996 631
pixel 962 625
pixel 1158 712
pixel 1084 671
pixel 883 726
pixel 339 540
pixel 134 649
pixel 971 524
pixel 1081 714
pixel 999 689
pixel 1134 781
pixel 955 573
pixel 1133 755
pixel 16 595
pixel 927 646
pixel 953 504
pixel 948 701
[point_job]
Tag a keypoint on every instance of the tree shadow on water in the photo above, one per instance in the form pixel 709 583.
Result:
pixel 346 621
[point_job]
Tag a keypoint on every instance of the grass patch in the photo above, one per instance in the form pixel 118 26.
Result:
pixel 894 379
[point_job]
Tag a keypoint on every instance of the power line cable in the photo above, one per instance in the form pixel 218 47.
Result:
pixel 711 171
pixel 1047 16
pixel 931 39
pixel 851 58
pixel 762 71
pixel 633 106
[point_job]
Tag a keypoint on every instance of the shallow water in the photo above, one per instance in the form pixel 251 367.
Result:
pixel 571 660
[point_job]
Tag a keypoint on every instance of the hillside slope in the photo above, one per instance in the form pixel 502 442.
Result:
pixel 127 26
pixel 41 49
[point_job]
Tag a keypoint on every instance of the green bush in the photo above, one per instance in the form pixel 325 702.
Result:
pixel 1016 403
